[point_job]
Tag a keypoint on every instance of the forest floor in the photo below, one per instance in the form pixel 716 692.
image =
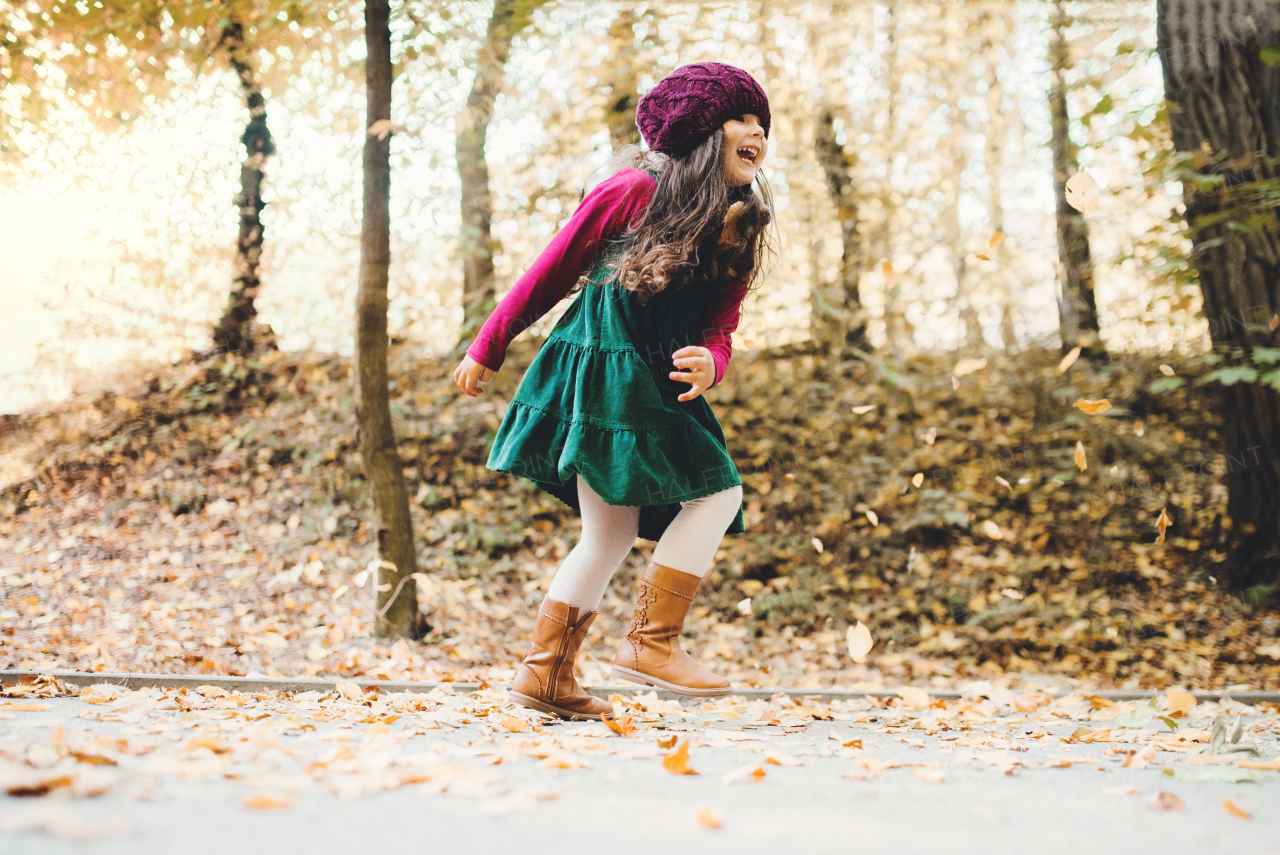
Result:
pixel 214 518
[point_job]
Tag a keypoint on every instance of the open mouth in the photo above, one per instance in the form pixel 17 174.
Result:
pixel 749 153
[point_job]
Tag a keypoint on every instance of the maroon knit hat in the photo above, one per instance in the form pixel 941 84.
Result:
pixel 692 101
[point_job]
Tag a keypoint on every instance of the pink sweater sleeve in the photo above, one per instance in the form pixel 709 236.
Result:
pixel 606 212
pixel 718 321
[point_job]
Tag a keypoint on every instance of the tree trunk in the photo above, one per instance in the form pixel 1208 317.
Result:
pixel 837 165
pixel 479 291
pixel 397 595
pixel 622 68
pixel 1077 309
pixel 236 330
pixel 1224 105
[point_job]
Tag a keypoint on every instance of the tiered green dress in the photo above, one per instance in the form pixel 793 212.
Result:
pixel 597 401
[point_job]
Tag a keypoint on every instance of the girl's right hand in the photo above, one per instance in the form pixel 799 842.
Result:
pixel 469 373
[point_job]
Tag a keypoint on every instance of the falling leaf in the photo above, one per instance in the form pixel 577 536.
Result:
pixel 1235 810
pixel 1083 193
pixel 1093 408
pixel 930 437
pixel 982 255
pixel 817 544
pixel 1166 801
pixel 1176 332
pixel 858 639
pixel 1166 371
pixel 1080 461
pixel 874 519
pixel 864 409
pixel 917 479
pixel 624 726
pixel 25 707
pixel 996 238
pixel 1275 322
pixel 968 366
pixel 991 530
pixel 667 741
pixel 955 383
pixel 1163 523
pixel 1069 359
pixel 1180 702
pixel 381 128
pixel 1003 483
pixel 261 801
pixel 708 818
pixel 750 774
pixel 745 608
pixel 677 762
pixel 886 270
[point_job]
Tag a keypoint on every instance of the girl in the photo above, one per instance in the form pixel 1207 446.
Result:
pixel 661 257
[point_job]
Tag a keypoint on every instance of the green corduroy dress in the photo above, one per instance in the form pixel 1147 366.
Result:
pixel 597 400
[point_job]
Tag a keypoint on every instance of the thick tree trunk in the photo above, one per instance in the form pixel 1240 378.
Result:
pixel 1077 309
pixel 479 292
pixel 397 595
pixel 1224 104
pixel 837 165
pixel 237 330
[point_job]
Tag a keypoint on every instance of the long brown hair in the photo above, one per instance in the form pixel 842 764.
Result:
pixel 698 228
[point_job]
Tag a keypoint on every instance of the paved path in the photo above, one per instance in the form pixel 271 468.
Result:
pixel 218 772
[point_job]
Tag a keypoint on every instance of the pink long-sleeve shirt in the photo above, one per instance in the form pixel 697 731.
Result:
pixel 609 210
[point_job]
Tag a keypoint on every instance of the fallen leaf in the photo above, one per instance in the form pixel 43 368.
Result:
pixel 1080 460
pixel 1235 810
pixel 750 774
pixel 624 726
pixel 968 366
pixel 1166 801
pixel 708 818
pixel 917 479
pixel 915 698
pixel 1082 193
pixel 677 762
pixel 1180 702
pixel 1093 408
pixel 1069 359
pixel 1272 765
pixel 512 724
pixel 667 741
pixel 261 801
pixel 858 639
pixel 1163 523
pixel 1166 371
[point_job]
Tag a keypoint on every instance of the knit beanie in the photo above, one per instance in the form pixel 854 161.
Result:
pixel 691 102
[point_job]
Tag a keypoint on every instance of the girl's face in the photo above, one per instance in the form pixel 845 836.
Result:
pixel 744 149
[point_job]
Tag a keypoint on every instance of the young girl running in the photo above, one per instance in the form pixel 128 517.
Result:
pixel 610 418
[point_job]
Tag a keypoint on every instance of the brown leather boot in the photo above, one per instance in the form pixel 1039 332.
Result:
pixel 650 654
pixel 544 680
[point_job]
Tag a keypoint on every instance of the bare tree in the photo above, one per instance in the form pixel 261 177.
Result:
pixel 1223 107
pixel 397 595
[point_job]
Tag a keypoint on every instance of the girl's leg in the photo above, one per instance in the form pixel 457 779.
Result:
pixel 608 533
pixel 690 542
pixel 651 654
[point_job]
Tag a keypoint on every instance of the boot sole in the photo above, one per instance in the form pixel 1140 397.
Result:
pixel 646 680
pixel 543 706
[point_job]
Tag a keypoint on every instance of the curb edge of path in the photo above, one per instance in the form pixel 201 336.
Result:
pixel 287 684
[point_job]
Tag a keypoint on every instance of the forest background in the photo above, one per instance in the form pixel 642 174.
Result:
pixel 186 236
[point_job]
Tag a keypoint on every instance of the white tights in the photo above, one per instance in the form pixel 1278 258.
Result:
pixel 608 532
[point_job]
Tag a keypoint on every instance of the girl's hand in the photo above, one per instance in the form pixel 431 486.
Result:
pixel 468 373
pixel 699 370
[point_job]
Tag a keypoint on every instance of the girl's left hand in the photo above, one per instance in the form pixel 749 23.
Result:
pixel 699 370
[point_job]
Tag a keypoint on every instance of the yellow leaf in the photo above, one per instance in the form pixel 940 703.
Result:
pixel 1083 193
pixel 708 818
pixel 917 479
pixel 1069 359
pixel 858 638
pixel 25 707
pixel 991 530
pixel 968 366
pixel 886 270
pixel 1275 322
pixel 667 741
pixel 624 726
pixel 381 129
pixel 915 698
pixel 1235 810
pixel 1272 765
pixel 264 802
pixel 512 724
pixel 1093 408
pixel 677 762
pixel 1080 461
pixel 1179 701
pixel 1166 371
pixel 982 255
pixel 996 237
pixel 1163 523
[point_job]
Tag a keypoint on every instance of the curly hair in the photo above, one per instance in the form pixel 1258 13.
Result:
pixel 698 228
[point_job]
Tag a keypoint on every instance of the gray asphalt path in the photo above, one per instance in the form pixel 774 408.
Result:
pixel 181 782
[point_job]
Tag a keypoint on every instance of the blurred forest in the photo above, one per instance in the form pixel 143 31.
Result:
pixel 1008 395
